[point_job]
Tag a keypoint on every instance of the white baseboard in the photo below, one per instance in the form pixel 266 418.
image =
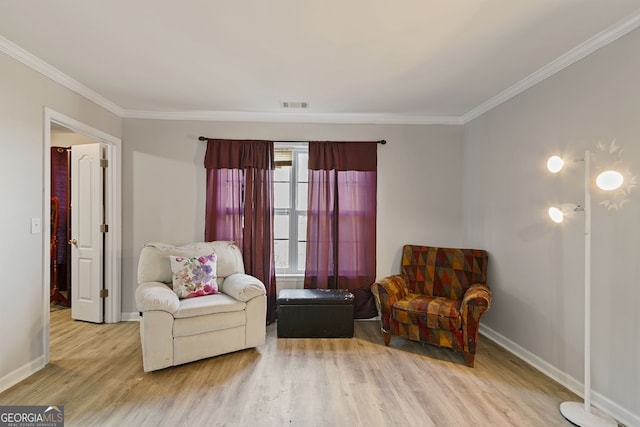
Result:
pixel 130 317
pixel 599 401
pixel 13 378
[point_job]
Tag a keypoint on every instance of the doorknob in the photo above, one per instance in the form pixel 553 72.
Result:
pixel 73 242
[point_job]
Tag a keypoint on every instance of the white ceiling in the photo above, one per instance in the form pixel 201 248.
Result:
pixel 406 61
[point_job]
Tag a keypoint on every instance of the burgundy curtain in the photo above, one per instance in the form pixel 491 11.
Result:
pixel 239 205
pixel 60 189
pixel 341 220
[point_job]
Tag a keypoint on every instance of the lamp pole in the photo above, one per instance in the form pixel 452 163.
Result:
pixel 587 281
pixel 586 416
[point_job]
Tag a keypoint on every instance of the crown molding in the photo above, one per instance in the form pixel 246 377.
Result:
pixel 56 75
pixel 238 116
pixel 581 51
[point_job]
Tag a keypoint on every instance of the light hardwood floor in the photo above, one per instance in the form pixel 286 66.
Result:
pixel 96 373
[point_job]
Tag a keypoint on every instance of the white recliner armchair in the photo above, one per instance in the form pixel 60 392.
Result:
pixel 176 331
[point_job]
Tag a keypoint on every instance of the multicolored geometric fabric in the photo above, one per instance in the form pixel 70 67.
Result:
pixel 438 299
pixel 432 312
pixel 443 272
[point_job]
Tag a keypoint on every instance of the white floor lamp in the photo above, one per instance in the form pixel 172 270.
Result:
pixel 579 414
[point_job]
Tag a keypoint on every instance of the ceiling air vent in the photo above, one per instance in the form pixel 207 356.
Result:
pixel 294 104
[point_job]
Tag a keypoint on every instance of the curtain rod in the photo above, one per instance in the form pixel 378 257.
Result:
pixel 204 138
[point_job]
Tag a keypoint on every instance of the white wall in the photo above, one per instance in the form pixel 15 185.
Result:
pixel 419 183
pixel 536 267
pixel 23 95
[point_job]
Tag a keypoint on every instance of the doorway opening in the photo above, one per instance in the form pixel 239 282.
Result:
pixel 77 134
pixel 61 145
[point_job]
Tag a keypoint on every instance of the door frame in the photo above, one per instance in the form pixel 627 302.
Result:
pixel 113 211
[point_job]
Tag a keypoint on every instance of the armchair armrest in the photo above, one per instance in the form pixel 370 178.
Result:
pixel 477 295
pixel 387 291
pixel 156 296
pixel 243 287
pixel 476 301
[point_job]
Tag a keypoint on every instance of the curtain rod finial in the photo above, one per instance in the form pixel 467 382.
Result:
pixel 202 138
pixel 384 141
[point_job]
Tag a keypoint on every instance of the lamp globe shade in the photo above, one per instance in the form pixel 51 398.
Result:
pixel 609 180
pixel 556 214
pixel 554 164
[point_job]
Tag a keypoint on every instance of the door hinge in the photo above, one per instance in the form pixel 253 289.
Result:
pixel 104 163
pixel 104 293
pixel 104 228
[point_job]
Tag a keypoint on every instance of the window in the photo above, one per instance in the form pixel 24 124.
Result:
pixel 290 182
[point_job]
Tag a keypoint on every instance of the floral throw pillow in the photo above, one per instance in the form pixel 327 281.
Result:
pixel 194 276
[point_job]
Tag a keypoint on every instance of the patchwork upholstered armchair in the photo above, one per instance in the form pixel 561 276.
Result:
pixel 438 298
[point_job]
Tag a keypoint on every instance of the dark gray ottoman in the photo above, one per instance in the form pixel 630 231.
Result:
pixel 315 313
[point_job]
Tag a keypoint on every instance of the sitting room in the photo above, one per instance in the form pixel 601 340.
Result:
pixel 321 213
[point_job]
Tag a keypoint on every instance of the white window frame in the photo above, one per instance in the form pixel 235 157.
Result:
pixel 297 148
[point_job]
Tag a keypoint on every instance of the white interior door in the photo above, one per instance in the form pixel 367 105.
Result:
pixel 87 244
